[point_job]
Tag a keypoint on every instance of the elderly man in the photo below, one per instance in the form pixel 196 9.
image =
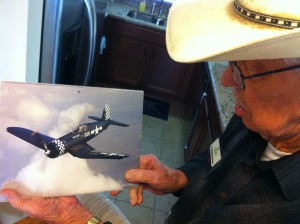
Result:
pixel 256 176
pixel 257 179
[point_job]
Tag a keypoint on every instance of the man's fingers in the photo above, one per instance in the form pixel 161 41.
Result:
pixel 13 197
pixel 136 195
pixel 140 197
pixel 114 193
pixel 139 176
pixel 148 161
pixel 10 194
pixel 133 196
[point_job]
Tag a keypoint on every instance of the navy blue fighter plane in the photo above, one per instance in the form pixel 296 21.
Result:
pixel 74 142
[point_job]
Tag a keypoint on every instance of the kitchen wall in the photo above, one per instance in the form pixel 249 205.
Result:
pixel 20 27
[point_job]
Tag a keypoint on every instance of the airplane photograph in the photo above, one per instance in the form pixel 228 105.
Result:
pixel 73 142
pixel 54 137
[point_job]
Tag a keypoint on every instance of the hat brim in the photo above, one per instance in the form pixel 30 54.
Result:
pixel 202 30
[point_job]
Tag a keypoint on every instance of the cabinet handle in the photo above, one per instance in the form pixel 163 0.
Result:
pixel 202 101
pixel 207 116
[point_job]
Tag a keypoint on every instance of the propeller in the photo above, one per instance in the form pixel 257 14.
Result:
pixel 41 140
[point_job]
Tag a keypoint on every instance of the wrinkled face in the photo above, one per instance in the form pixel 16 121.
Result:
pixel 269 105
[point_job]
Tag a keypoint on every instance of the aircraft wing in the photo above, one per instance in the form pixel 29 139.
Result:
pixel 85 151
pixel 32 137
pixel 118 123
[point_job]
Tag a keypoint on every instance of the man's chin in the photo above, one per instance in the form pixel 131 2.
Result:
pixel 249 124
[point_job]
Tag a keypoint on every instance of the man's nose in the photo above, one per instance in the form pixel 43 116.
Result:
pixel 227 79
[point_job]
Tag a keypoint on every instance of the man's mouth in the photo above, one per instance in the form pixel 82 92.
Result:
pixel 239 110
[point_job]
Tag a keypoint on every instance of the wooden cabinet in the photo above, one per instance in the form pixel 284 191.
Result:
pixel 166 76
pixel 126 62
pixel 206 124
pixel 136 57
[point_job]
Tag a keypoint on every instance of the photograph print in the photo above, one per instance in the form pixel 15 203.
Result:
pixel 59 140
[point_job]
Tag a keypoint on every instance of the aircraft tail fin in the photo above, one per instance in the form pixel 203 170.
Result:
pixel 106 113
pixel 106 117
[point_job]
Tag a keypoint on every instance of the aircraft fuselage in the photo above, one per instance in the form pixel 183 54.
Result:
pixel 82 134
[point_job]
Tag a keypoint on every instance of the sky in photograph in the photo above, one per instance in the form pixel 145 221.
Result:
pixel 56 110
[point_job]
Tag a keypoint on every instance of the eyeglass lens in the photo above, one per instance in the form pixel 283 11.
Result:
pixel 237 74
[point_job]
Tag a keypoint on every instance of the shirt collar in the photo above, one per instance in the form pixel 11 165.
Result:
pixel 287 172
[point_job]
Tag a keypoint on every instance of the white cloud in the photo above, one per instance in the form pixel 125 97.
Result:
pixel 70 118
pixel 65 175
pixel 55 98
pixel 34 110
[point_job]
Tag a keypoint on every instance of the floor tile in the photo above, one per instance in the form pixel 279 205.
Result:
pixel 172 152
pixel 171 164
pixel 165 202
pixel 151 145
pixel 176 122
pixel 159 217
pixel 174 135
pixel 150 120
pixel 152 127
pixel 137 214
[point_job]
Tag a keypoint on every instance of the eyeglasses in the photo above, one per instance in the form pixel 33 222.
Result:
pixel 239 77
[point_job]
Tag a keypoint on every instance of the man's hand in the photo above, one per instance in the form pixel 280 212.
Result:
pixel 156 177
pixel 135 194
pixel 53 210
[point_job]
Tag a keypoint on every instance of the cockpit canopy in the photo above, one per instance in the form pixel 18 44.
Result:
pixel 82 128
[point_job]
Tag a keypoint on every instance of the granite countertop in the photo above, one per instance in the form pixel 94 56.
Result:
pixel 223 96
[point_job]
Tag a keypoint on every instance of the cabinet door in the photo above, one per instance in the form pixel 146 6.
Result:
pixel 164 75
pixel 199 139
pixel 206 127
pixel 126 61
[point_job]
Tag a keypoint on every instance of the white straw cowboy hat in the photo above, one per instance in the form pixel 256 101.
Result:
pixel 215 30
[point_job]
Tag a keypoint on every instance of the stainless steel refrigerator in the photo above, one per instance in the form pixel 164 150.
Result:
pixel 68 40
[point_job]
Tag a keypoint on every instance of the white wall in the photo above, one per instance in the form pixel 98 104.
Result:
pixel 20 29
pixel 35 12
pixel 20 32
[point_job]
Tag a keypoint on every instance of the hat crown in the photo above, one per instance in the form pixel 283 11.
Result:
pixel 214 30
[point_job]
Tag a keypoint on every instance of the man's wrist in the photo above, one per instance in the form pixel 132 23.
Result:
pixel 179 180
pixel 94 220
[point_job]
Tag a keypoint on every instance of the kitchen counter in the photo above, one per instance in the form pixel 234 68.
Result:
pixel 119 11
pixel 223 96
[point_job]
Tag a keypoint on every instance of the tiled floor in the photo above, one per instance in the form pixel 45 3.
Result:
pixel 166 140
